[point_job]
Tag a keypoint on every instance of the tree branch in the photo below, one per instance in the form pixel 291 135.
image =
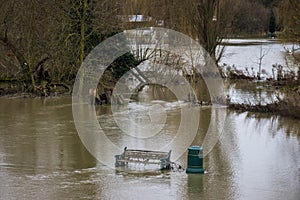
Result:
pixel 21 59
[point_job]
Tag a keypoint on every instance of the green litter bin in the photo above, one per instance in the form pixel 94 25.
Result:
pixel 195 160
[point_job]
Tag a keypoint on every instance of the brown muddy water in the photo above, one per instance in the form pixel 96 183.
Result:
pixel 42 157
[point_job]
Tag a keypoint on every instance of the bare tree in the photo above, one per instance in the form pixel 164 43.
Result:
pixel 210 22
pixel 290 10
pixel 23 31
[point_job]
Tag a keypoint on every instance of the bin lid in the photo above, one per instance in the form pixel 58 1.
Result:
pixel 195 148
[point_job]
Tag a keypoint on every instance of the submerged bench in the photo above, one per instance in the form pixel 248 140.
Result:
pixel 144 157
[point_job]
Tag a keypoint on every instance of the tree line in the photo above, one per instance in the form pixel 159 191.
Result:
pixel 44 42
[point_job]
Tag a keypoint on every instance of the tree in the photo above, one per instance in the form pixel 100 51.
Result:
pixel 291 17
pixel 50 36
pixel 251 18
pixel 24 36
pixel 291 14
pixel 205 20
pixel 270 3
pixel 272 22
pixel 206 25
pixel 80 25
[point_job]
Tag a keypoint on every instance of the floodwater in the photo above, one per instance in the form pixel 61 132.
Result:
pixel 42 157
pixel 257 156
pixel 241 91
pixel 246 53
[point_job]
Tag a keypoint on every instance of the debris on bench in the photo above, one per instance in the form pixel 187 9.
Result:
pixel 144 157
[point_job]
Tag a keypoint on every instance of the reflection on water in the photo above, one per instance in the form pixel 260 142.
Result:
pixel 41 156
pixel 241 91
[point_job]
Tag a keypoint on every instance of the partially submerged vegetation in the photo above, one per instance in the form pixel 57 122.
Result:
pixel 43 43
pixel 286 91
pixel 286 103
pixel 284 82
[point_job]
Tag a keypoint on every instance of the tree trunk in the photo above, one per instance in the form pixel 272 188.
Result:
pixel 19 56
pixel 82 45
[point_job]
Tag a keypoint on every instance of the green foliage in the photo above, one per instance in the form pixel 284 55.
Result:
pixel 271 3
pixel 272 22
pixel 122 64
pixel 251 18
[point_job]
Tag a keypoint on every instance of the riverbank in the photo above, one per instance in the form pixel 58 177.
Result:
pixel 284 99
pixel 32 95
pixel 14 89
pixel 282 96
